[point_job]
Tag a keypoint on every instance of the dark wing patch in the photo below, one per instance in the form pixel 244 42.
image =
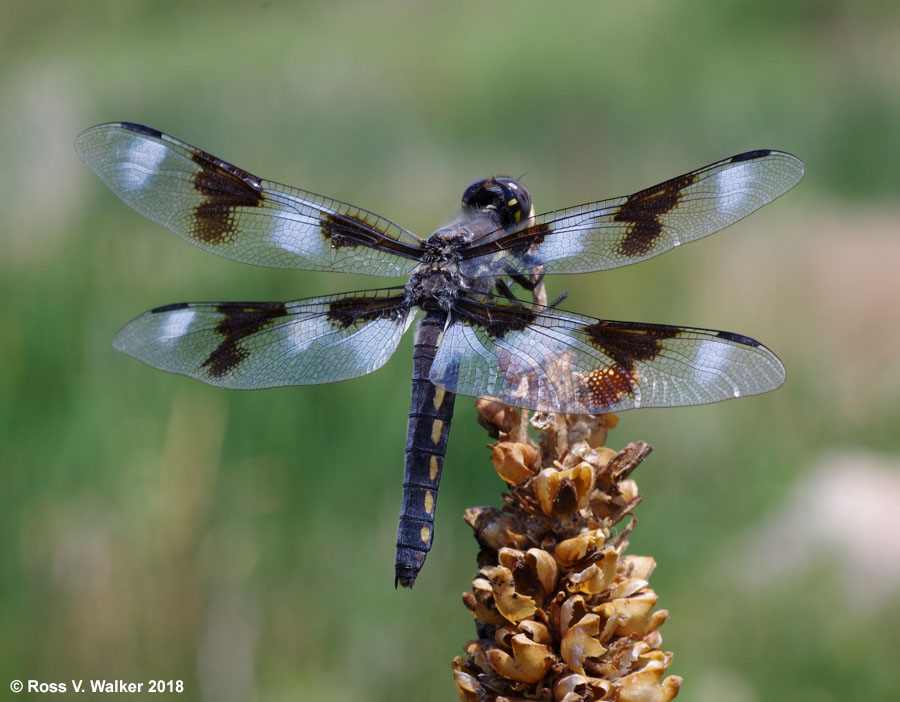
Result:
pixel 609 386
pixel 631 342
pixel 224 189
pixel 239 320
pixel 642 213
pixel 349 230
pixel 495 320
pixel 518 243
pixel 558 361
pixel 248 345
pixel 626 345
pixel 350 310
pixel 226 210
pixel 624 230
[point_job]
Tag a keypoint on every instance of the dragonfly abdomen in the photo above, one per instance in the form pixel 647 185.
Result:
pixel 430 412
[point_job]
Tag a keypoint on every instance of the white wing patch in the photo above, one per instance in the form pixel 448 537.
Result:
pixel 301 335
pixel 732 186
pixel 716 363
pixel 176 325
pixel 142 163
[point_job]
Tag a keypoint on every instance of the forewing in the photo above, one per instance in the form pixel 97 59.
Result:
pixel 562 362
pixel 624 230
pixel 247 345
pixel 230 212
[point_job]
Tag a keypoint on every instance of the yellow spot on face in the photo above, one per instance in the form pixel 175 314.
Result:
pixel 429 502
pixel 436 429
pixel 425 535
pixel 439 394
pixel 433 468
pixel 512 202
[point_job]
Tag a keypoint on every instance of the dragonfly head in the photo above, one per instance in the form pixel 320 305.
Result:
pixel 508 199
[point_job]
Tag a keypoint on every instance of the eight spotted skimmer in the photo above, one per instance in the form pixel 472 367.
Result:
pixel 475 337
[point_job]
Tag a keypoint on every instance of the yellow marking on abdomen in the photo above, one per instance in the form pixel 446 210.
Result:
pixel 425 535
pixel 429 502
pixel 436 429
pixel 433 469
pixel 439 394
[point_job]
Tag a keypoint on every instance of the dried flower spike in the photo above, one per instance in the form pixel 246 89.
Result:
pixel 561 612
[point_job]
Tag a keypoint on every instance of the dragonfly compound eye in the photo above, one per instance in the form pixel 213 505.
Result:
pixel 505 196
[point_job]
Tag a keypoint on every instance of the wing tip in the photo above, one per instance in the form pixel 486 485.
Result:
pixel 794 162
pixel 778 371
pixel 120 344
pixel 128 126
pixel 121 340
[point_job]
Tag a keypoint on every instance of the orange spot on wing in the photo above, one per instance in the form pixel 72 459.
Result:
pixel 605 387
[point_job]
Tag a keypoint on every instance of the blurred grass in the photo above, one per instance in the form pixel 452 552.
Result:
pixel 154 527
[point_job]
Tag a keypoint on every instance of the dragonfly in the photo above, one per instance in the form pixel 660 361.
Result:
pixel 474 335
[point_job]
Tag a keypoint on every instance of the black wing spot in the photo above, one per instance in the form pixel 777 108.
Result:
pixel 750 155
pixel 142 129
pixel 170 308
pixel 738 338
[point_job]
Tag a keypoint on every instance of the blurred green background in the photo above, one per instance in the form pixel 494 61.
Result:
pixel 154 527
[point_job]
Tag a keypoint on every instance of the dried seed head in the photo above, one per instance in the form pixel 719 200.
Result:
pixel 528 662
pixel 493 529
pixel 562 612
pixel 579 642
pixel 497 417
pixel 563 492
pixel 515 462
pixel 513 606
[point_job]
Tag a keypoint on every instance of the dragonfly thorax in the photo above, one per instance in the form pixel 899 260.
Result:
pixel 439 277
pixel 432 286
